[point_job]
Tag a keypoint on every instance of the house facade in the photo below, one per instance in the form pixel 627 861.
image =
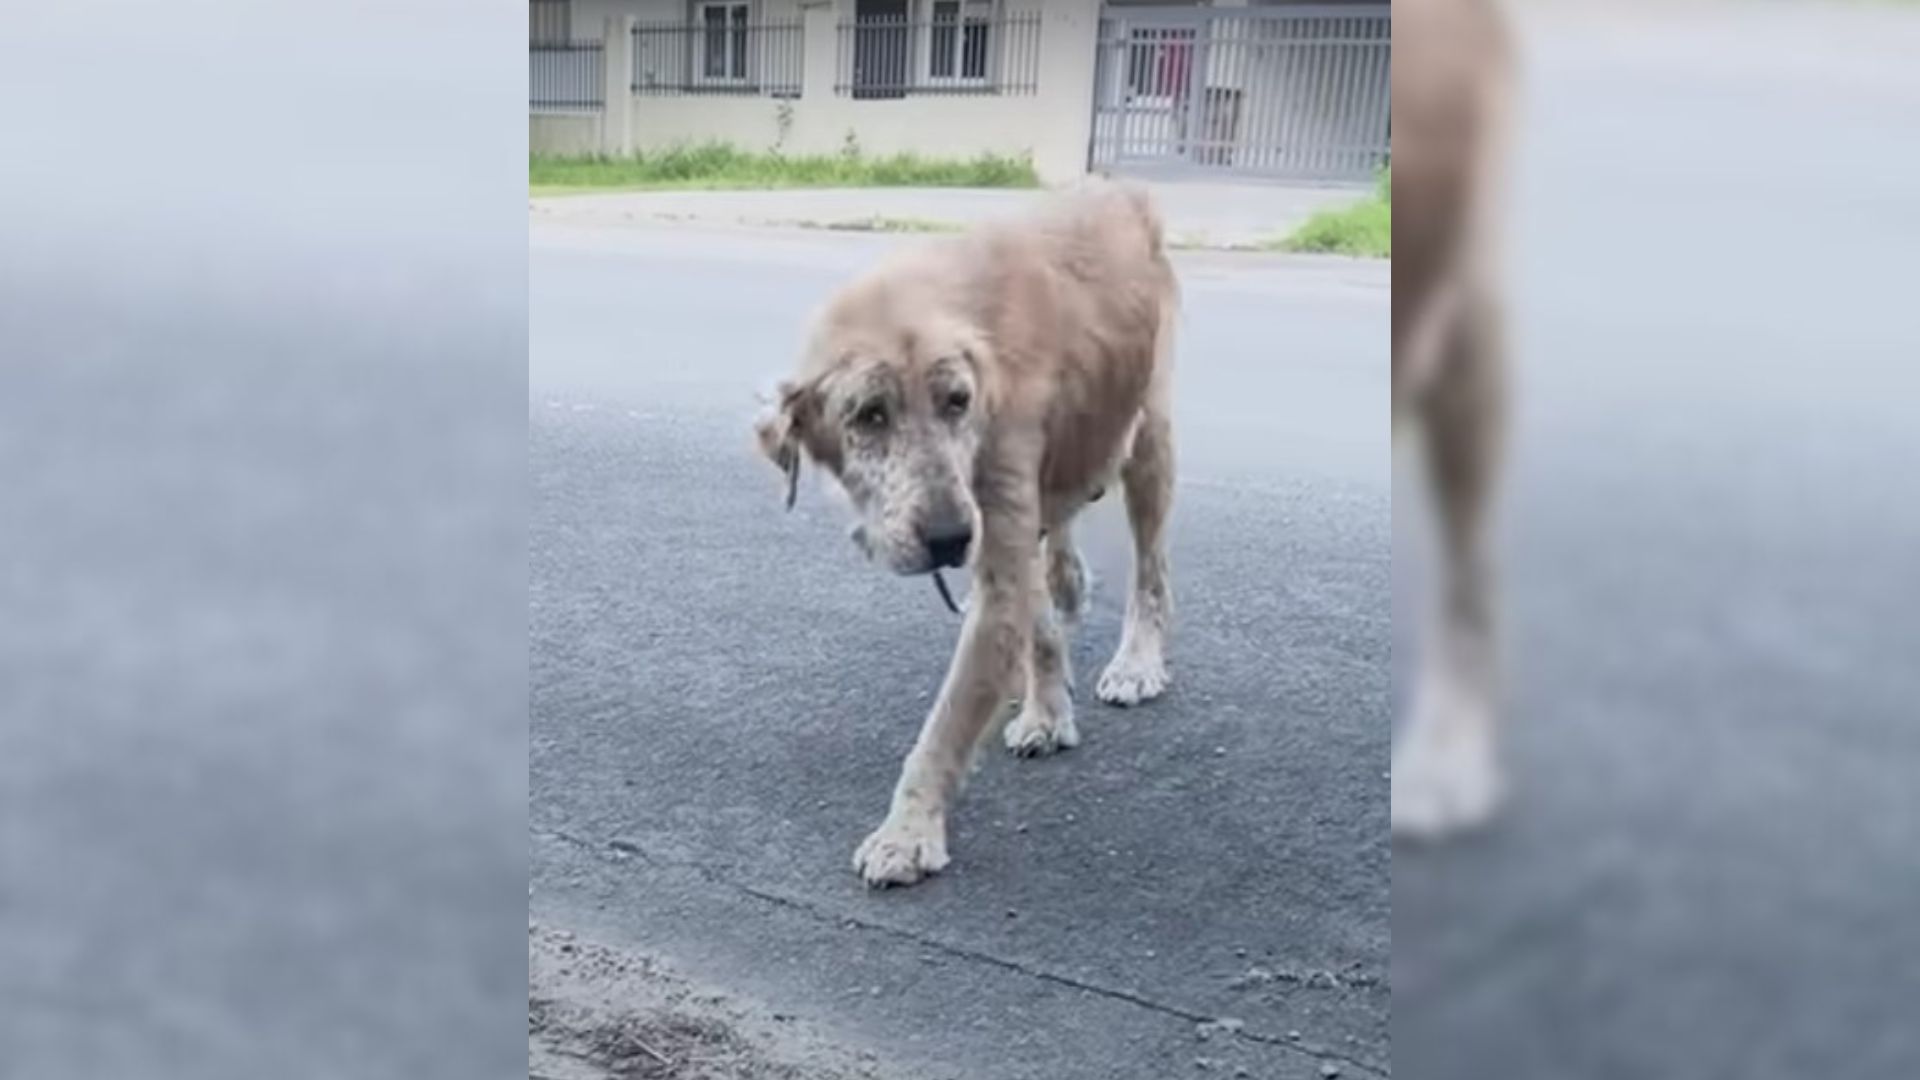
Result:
pixel 1294 90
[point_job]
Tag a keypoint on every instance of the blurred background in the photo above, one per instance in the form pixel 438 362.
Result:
pixel 262 540
pixel 1710 864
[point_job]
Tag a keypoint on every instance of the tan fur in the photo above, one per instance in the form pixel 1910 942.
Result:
pixel 1055 329
pixel 1452 85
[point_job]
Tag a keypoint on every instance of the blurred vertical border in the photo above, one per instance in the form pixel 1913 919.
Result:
pixel 262 540
pixel 1707 867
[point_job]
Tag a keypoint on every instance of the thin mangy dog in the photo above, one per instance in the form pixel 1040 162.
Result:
pixel 1452 75
pixel 971 396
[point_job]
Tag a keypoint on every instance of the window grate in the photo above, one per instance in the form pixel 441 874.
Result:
pixel 962 47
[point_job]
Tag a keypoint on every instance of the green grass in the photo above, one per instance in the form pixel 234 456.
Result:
pixel 1364 228
pixel 717 165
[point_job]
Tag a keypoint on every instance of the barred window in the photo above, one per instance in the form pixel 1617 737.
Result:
pixel 957 42
pixel 723 46
pixel 550 22
pixel 892 48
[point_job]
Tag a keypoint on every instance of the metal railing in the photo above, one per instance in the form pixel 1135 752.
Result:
pixel 954 52
pixel 1301 92
pixel 566 77
pixel 724 56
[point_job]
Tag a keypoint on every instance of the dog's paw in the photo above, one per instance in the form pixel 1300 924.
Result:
pixel 1446 771
pixel 904 849
pixel 1133 677
pixel 1037 732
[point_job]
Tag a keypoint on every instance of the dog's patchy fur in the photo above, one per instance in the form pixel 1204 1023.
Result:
pixel 988 386
pixel 1451 90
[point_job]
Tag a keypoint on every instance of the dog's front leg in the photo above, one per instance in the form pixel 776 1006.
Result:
pixel 994 641
pixel 1446 772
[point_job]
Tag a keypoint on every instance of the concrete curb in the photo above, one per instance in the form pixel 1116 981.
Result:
pixel 907 211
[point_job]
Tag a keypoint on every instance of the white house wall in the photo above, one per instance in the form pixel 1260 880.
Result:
pixel 1052 125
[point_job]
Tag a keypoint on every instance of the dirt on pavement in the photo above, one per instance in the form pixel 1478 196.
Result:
pixel 596 1013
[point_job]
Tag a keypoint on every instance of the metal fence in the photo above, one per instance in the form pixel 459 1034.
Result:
pixel 956 51
pixel 1299 92
pixel 722 53
pixel 566 76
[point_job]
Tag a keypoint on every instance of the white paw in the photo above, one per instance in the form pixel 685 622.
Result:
pixel 1037 732
pixel 904 849
pixel 1136 675
pixel 1446 770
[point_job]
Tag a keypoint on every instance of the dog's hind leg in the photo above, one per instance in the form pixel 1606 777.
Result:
pixel 1066 575
pixel 1138 671
pixel 1045 721
pixel 1446 774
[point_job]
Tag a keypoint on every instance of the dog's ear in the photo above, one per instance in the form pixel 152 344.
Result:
pixel 976 352
pixel 778 430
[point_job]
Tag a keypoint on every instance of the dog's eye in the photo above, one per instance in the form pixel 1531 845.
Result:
pixel 872 416
pixel 957 402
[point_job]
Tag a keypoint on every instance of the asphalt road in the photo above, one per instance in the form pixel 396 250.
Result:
pixel 722 692
pixel 1709 869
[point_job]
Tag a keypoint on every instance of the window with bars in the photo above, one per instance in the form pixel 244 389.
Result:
pixel 550 22
pixel 892 48
pixel 719 47
pixel 958 38
pixel 723 40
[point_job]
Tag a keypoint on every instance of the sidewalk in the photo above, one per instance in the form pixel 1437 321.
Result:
pixel 1198 214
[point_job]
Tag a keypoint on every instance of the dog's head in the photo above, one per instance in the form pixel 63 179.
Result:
pixel 896 418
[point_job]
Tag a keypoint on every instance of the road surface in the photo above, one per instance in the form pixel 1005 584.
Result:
pixel 722 692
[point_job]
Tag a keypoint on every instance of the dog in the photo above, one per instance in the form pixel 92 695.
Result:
pixel 971 395
pixel 1452 76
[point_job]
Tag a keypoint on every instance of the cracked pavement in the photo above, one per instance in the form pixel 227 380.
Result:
pixel 721 692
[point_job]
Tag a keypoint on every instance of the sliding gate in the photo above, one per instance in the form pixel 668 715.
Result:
pixel 1296 92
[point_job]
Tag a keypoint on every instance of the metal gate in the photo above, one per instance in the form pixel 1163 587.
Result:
pixel 1299 92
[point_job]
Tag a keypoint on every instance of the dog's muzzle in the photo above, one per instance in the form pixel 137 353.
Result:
pixel 948 547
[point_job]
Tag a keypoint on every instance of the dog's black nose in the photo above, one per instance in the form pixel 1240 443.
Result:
pixel 949 546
